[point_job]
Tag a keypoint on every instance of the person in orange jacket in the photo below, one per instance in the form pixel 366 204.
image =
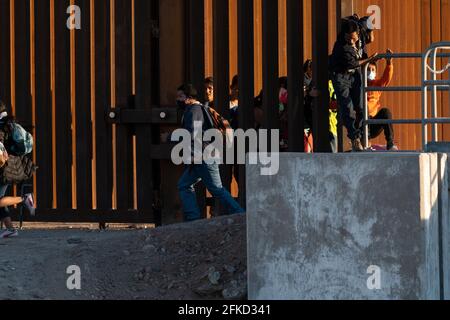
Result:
pixel 374 105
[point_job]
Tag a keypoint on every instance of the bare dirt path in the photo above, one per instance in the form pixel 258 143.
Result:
pixel 201 260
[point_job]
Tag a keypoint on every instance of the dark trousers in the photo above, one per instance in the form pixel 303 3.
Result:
pixel 4 212
pixel 210 175
pixel 376 129
pixel 348 88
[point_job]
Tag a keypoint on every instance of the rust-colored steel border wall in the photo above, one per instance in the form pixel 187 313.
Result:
pixel 132 54
pixel 406 26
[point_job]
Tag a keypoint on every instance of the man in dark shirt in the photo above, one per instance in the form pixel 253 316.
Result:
pixel 345 67
pixel 194 115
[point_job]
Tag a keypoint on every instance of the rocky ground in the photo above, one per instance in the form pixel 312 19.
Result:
pixel 200 260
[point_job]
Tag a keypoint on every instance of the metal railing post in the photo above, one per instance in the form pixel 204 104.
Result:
pixel 434 85
pixel 434 131
pixel 366 108
pixel 424 101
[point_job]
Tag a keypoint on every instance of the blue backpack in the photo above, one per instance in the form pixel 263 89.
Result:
pixel 21 140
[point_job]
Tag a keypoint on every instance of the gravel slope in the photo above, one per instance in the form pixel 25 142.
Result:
pixel 200 260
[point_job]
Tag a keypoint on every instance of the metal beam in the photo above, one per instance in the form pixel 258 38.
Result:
pixel 195 60
pixel 83 125
pixel 222 77
pixel 42 101
pixel 409 121
pixel 5 53
pixel 147 78
pixel 295 49
pixel 347 8
pixel 152 115
pixel 340 126
pixel 246 63
pixel 246 78
pixel 103 131
pixel 221 56
pixel 85 216
pixel 441 87
pixel 195 37
pixel 320 71
pixel 270 63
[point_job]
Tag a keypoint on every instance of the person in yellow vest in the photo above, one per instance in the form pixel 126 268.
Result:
pixel 374 105
pixel 333 110
pixel 310 93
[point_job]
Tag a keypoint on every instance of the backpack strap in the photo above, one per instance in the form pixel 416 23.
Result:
pixel 207 116
pixel 220 122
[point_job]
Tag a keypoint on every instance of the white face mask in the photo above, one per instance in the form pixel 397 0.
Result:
pixel 372 76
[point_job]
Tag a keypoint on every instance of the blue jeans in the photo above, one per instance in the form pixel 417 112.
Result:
pixel 210 175
pixel 349 94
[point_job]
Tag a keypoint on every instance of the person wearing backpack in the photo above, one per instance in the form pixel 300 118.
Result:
pixel 194 111
pixel 15 143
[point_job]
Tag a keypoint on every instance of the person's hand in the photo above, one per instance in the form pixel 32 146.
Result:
pixel 389 60
pixel 373 57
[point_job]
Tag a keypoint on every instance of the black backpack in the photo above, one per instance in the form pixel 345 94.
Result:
pixel 18 169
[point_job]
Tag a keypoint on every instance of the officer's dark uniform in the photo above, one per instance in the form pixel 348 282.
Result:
pixel 347 82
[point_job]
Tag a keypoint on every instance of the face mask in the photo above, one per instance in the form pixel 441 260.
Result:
pixel 181 104
pixel 372 76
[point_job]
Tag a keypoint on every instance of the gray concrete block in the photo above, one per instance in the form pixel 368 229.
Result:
pixel 317 228
pixel 444 217
pixel 444 226
pixel 444 147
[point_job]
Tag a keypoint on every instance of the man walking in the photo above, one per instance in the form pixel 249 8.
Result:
pixel 195 114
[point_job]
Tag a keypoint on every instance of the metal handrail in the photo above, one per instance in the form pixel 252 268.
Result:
pixel 441 87
pixel 433 85
pixel 432 50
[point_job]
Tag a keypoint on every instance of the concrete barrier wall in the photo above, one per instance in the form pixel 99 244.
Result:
pixel 444 224
pixel 331 226
pixel 444 147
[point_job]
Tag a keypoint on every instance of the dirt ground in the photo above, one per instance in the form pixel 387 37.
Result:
pixel 200 260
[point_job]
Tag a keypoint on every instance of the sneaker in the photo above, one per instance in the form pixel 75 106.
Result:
pixel 357 146
pixel 394 148
pixel 28 202
pixel 9 233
